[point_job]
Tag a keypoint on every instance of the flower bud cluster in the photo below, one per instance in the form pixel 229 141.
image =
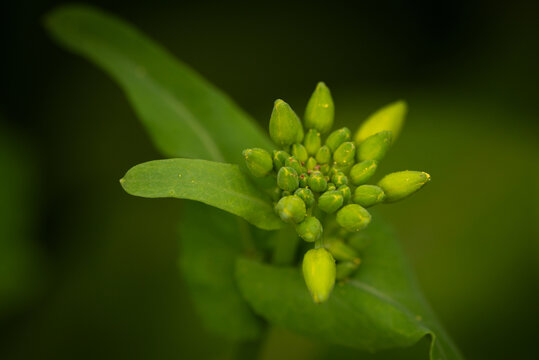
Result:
pixel 322 176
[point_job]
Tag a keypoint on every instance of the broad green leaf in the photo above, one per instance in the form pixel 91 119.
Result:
pixel 217 184
pixel 184 114
pixel 210 243
pixel 380 308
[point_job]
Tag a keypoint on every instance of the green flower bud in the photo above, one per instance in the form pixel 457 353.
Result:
pixel 331 186
pixel 359 240
pixel 300 152
pixel 311 163
pixel 295 164
pixel 309 229
pixel 341 251
pixel 312 141
pixel 323 156
pixel 353 217
pixel 374 147
pixel 291 209
pixel 337 137
pixel 320 110
pixel 285 193
pixel 345 153
pixel 258 161
pixel 330 201
pixel 325 169
pixel 401 184
pixel 389 118
pixel 279 159
pixel 285 127
pixel 303 180
pixel 317 181
pixel 345 269
pixel 368 195
pixel 319 272
pixel 287 179
pixel 306 195
pixel 339 179
pixel 346 193
pixel 362 172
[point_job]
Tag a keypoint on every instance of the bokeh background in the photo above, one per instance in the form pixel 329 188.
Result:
pixel 89 272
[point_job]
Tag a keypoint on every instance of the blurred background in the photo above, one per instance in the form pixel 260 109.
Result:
pixel 88 272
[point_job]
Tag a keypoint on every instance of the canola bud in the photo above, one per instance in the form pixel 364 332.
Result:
pixel 388 118
pixel 279 159
pixel 309 229
pixel 258 161
pixel 346 193
pixel 401 184
pixel 303 180
pixel 287 179
pixel 368 195
pixel 284 127
pixel 341 251
pixel 300 152
pixel 325 169
pixel 320 111
pixel 312 142
pixel 323 155
pixel 311 163
pixel 374 147
pixel 331 186
pixel 353 217
pixel 319 272
pixel 291 209
pixel 361 173
pixel 317 182
pixel 339 179
pixel 330 201
pixel 345 154
pixel 336 138
pixel 295 164
pixel 306 195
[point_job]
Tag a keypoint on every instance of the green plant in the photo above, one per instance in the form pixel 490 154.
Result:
pixel 243 277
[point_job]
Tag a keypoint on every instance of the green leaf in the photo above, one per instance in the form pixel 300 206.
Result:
pixel 207 258
pixel 221 185
pixel 185 115
pixel 380 308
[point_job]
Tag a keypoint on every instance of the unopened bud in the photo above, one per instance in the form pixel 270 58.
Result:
pixel 320 110
pixel 295 164
pixel 291 209
pixel 287 179
pixel 388 118
pixel 279 159
pixel 323 156
pixel 345 153
pixel 325 169
pixel 312 141
pixel 374 147
pixel 337 137
pixel 339 179
pixel 285 127
pixel 317 182
pixel 401 184
pixel 309 229
pixel 346 193
pixel 331 186
pixel 319 272
pixel 306 195
pixel 362 172
pixel 300 152
pixel 330 201
pixel 311 163
pixel 303 180
pixel 258 161
pixel 353 217
pixel 341 251
pixel 368 195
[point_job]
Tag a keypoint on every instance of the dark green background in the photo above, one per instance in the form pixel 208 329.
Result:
pixel 89 272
